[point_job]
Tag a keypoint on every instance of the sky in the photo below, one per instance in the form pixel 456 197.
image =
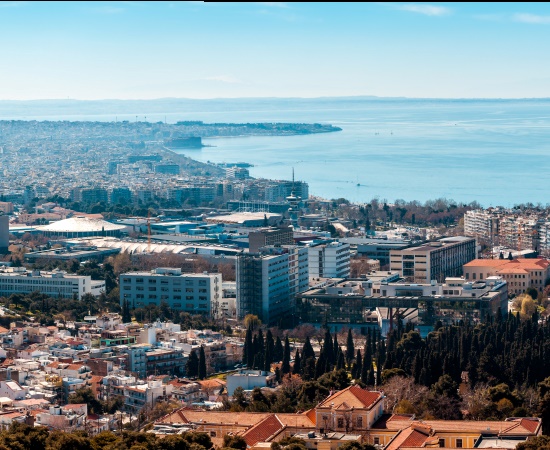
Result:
pixel 147 50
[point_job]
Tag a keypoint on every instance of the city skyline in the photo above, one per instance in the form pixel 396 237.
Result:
pixel 146 50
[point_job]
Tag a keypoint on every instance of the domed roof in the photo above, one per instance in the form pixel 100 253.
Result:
pixel 81 225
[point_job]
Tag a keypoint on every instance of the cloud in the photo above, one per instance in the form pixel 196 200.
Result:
pixel 531 18
pixel 12 4
pixel 423 8
pixel 224 79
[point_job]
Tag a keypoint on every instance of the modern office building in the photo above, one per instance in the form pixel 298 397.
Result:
pixel 19 280
pixel 263 286
pixel 190 292
pixel 268 282
pixel 329 260
pixel 434 260
pixel 364 303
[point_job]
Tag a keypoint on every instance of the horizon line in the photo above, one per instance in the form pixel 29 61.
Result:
pixel 269 98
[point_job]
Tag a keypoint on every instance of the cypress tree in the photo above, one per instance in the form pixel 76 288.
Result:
pixel 336 346
pixel 126 317
pixel 328 349
pixel 269 350
pixel 285 367
pixel 307 350
pixel 350 348
pixel 297 369
pixel 341 363
pixel 358 364
pixel 278 350
pixel 202 364
pixel 248 350
pixel 320 366
pixel 192 365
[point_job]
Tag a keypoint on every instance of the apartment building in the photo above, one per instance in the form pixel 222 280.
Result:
pixel 521 274
pixel 19 280
pixel 329 260
pixel 434 260
pixel 193 293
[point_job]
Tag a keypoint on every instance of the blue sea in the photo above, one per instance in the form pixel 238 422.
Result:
pixel 495 152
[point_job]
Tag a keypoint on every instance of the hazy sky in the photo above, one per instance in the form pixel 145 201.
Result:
pixel 140 50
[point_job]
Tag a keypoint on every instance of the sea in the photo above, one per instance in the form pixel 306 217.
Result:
pixel 494 152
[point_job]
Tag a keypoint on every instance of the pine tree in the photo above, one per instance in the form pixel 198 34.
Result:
pixel 350 348
pixel 285 366
pixel 202 364
pixel 192 365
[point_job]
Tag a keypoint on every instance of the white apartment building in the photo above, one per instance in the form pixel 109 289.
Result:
pixel 481 224
pixel 330 260
pixel 190 292
pixel 19 280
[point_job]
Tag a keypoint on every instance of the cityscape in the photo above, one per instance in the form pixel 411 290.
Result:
pixel 196 271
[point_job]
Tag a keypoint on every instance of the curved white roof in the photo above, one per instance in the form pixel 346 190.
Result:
pixel 81 225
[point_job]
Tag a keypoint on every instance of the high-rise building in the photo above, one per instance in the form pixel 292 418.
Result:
pixel 268 282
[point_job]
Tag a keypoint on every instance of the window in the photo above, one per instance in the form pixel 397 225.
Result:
pixel 212 434
pixel 442 442
pixel 340 423
pixel 360 422
pixel 376 441
pixel 459 443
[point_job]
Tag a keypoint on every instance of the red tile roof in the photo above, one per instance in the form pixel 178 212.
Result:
pixel 353 397
pixel 262 431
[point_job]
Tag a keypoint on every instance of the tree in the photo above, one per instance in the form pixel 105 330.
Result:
pixel 85 395
pixel 126 316
pixel 252 321
pixel 285 367
pixel 202 364
pixel 192 365
pixel 236 442
pixel 278 350
pixel 350 349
